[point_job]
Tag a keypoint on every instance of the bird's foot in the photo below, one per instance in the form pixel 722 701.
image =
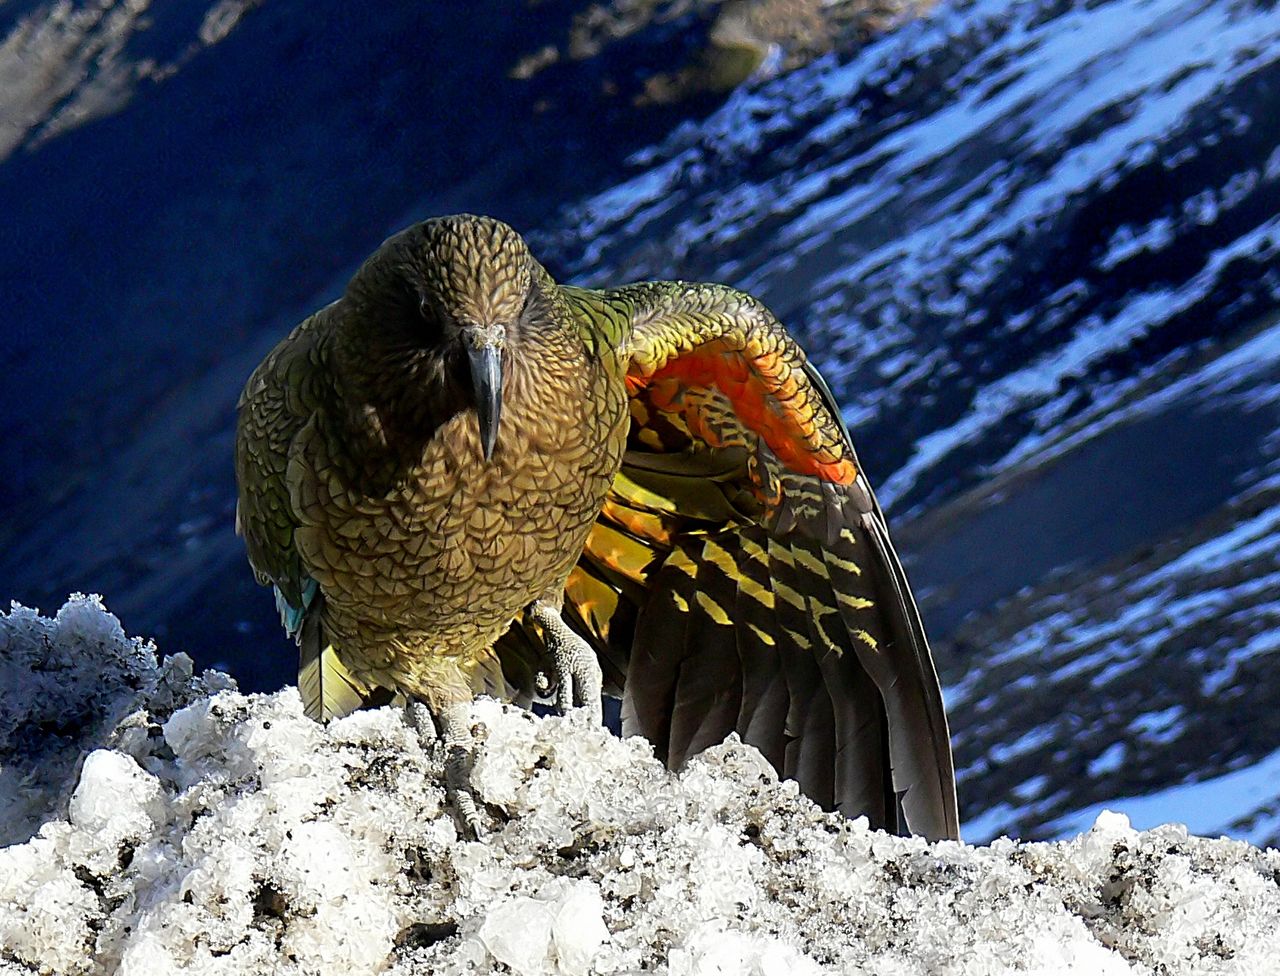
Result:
pixel 450 727
pixel 579 681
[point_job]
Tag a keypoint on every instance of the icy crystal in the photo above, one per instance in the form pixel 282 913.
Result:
pixel 208 832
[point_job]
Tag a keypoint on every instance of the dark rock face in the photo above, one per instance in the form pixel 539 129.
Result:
pixel 1035 248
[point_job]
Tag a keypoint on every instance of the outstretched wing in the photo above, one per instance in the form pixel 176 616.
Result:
pixel 741 578
pixel 278 401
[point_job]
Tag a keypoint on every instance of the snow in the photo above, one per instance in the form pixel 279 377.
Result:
pixel 55 709
pixel 62 65
pixel 1211 806
pixel 1094 339
pixel 1137 673
pixel 1231 569
pixel 560 930
pixel 1110 760
pixel 205 831
pixel 1162 726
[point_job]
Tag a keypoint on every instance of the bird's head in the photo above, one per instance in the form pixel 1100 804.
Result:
pixel 454 291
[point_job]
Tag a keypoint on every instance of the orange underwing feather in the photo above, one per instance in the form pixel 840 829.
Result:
pixel 762 391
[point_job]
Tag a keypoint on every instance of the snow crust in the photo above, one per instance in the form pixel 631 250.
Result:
pixel 65 685
pixel 199 830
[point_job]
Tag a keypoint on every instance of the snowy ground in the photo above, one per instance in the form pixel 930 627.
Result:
pixel 210 832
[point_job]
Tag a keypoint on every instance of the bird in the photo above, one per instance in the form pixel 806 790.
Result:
pixel 462 477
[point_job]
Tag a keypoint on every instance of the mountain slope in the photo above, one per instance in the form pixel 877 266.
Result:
pixel 1034 246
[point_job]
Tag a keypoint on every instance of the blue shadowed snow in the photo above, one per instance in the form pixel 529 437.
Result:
pixel 1240 804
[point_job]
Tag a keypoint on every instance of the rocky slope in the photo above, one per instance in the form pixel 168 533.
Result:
pixel 1033 244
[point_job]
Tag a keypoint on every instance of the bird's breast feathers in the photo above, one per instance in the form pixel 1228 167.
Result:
pixel 455 531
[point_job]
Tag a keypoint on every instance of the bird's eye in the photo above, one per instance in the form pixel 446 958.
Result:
pixel 429 312
pixel 431 322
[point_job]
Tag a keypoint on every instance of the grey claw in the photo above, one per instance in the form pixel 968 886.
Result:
pixel 451 728
pixel 580 681
pixel 457 773
pixel 542 684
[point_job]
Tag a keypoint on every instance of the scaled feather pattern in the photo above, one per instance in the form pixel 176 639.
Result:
pixel 658 460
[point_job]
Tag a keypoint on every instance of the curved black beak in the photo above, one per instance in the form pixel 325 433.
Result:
pixel 486 380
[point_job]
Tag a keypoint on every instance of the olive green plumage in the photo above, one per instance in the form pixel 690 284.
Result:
pixel 430 466
pixel 361 468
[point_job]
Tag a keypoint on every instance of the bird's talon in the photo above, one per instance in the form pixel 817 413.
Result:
pixel 468 812
pixel 586 715
pixel 459 736
pixel 462 793
pixel 578 672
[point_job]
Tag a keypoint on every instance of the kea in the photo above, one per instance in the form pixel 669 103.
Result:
pixel 462 477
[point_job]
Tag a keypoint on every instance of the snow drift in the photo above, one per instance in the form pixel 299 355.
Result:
pixel 162 822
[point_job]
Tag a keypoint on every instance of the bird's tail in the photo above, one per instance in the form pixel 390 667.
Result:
pixel 328 689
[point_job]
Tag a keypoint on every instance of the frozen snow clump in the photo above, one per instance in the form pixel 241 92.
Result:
pixel 65 686
pixel 213 832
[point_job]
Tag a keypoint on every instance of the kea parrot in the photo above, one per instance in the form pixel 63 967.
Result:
pixel 462 477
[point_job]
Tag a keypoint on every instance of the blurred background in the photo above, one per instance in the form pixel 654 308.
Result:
pixel 1033 244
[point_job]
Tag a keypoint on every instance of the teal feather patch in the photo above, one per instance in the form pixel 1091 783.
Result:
pixel 291 616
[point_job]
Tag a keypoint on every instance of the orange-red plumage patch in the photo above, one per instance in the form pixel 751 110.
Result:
pixel 763 393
